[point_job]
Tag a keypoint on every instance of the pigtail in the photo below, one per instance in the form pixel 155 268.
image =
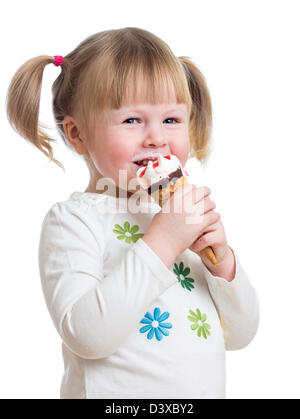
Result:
pixel 201 111
pixel 23 103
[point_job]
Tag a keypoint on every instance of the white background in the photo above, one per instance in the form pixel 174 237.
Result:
pixel 249 54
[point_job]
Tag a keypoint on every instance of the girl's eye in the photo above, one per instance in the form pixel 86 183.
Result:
pixel 172 119
pixel 129 120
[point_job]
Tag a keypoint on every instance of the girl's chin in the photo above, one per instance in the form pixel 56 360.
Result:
pixel 124 179
pixel 127 182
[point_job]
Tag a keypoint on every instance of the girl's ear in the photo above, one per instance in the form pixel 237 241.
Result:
pixel 72 133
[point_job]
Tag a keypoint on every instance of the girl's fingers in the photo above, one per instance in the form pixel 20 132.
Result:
pixel 204 206
pixel 211 228
pixel 195 199
pixel 196 192
pixel 200 193
pixel 205 220
pixel 208 239
pixel 210 218
pixel 208 205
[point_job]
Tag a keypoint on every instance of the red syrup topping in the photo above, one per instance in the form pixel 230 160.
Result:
pixel 167 157
pixel 155 164
pixel 142 172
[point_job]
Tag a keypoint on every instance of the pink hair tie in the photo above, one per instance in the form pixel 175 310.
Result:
pixel 58 60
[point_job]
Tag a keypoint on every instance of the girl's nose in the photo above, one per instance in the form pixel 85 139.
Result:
pixel 154 138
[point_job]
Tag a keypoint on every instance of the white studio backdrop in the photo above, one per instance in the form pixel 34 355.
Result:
pixel 249 53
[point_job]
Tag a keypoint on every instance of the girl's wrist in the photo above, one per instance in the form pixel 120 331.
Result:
pixel 160 247
pixel 226 269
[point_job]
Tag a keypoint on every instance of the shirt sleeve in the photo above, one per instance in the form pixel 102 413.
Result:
pixel 237 305
pixel 90 309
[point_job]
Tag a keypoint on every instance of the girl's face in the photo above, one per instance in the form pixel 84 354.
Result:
pixel 135 131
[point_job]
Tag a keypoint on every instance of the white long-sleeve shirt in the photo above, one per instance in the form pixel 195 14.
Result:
pixel 131 327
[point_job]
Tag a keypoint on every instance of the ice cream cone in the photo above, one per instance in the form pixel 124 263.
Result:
pixel 162 190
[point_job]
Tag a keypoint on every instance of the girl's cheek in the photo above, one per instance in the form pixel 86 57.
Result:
pixel 182 145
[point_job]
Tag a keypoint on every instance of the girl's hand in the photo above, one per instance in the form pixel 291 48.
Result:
pixel 214 236
pixel 170 232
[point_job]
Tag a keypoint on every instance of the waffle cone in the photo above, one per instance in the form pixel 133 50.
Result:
pixel 162 195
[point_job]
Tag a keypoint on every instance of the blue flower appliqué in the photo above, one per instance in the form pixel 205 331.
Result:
pixel 154 324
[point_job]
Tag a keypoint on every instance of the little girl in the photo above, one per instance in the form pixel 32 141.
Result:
pixel 140 314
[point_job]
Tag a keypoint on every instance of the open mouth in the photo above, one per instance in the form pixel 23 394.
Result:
pixel 144 162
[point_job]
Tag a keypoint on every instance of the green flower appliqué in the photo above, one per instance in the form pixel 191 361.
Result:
pixel 128 233
pixel 182 276
pixel 199 323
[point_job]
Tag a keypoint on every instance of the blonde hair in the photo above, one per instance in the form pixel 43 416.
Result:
pixel 96 75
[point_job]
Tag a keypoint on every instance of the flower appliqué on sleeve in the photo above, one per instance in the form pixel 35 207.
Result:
pixel 128 233
pixel 155 324
pixel 182 275
pixel 199 324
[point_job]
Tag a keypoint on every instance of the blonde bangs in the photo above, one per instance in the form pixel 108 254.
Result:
pixel 132 76
pixel 160 85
